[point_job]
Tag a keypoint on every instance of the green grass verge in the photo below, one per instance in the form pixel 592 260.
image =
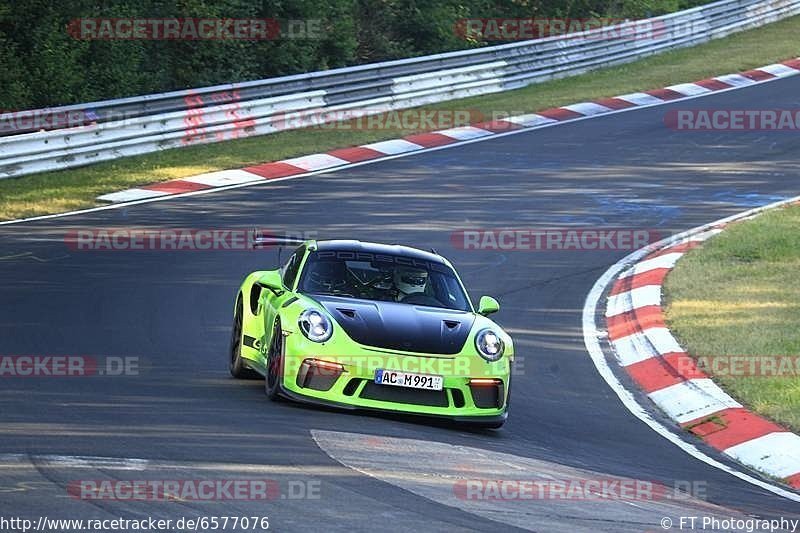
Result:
pixel 74 189
pixel 739 295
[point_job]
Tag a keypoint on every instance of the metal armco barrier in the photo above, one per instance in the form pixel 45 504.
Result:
pixel 130 126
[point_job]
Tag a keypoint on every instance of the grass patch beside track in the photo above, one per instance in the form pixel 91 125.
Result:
pixel 66 190
pixel 739 295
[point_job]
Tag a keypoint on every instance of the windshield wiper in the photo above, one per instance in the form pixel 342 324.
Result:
pixel 334 293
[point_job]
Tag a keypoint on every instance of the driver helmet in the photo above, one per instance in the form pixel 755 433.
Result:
pixel 409 280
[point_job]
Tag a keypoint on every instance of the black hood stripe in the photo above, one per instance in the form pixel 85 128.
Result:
pixel 399 326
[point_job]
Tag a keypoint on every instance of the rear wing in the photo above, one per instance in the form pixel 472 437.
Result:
pixel 261 239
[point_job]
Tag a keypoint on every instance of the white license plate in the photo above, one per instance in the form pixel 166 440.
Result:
pixel 407 379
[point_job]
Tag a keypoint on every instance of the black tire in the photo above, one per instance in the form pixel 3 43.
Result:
pixel 272 383
pixel 508 393
pixel 235 363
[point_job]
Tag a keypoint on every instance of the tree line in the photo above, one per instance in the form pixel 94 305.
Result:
pixel 56 53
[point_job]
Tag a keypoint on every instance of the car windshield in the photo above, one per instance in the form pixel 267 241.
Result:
pixel 382 277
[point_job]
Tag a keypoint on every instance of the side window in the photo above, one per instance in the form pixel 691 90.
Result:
pixel 292 266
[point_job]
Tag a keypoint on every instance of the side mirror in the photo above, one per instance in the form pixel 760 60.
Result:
pixel 488 305
pixel 271 280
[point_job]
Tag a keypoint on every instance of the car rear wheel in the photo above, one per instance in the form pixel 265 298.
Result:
pixel 236 365
pixel 275 363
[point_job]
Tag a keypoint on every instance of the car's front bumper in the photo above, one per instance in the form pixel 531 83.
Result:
pixel 475 420
pixel 348 382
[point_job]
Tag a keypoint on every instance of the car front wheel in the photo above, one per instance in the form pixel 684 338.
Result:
pixel 275 363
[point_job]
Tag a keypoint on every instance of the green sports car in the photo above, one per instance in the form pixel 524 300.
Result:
pixel 360 325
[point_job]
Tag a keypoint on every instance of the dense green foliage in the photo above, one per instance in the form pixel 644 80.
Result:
pixel 42 64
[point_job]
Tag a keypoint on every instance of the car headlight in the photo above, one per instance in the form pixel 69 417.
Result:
pixel 314 325
pixel 489 344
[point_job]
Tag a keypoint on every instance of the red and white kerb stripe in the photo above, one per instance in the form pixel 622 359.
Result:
pixel 653 358
pixel 420 141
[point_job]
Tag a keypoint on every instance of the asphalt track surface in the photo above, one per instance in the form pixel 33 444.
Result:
pixel 173 310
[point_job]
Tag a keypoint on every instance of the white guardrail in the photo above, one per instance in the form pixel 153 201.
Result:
pixel 138 125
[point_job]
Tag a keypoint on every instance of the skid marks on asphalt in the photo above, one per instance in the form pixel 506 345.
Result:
pixel 465 478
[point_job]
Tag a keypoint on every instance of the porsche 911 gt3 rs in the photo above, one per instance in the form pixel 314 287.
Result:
pixel 361 325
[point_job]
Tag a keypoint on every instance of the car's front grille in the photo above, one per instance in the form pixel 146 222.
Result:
pixel 458 398
pixel 488 396
pixel 352 386
pixel 387 393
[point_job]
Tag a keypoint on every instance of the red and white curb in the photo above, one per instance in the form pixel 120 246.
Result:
pixel 421 141
pixel 657 363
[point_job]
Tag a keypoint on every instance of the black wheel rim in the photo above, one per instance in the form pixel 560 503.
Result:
pixel 274 360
